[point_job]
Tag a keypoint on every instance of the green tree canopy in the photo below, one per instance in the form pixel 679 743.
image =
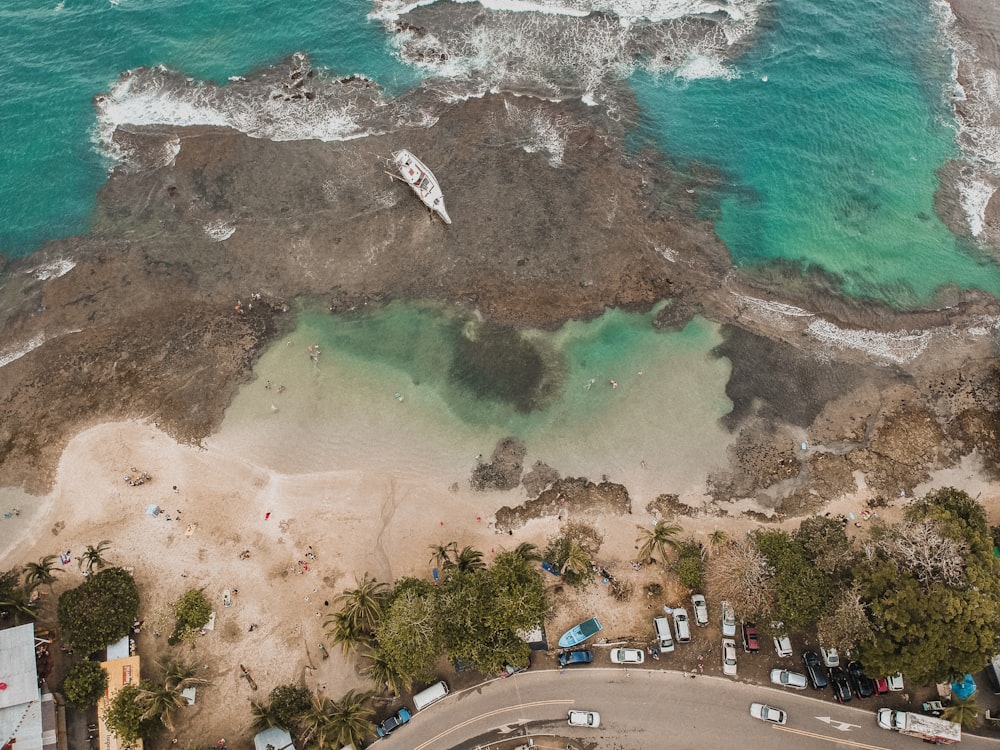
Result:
pixel 689 564
pixel 287 704
pixel 124 715
pixel 193 611
pixel 85 682
pixel 824 542
pixel 801 590
pixel 934 616
pixel 100 611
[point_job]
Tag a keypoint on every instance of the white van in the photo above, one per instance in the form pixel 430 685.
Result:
pixel 662 627
pixel 682 626
pixel 427 696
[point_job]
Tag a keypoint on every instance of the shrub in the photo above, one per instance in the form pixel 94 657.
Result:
pixel 288 703
pixel 124 715
pixel 84 684
pixel 100 611
pixel 193 612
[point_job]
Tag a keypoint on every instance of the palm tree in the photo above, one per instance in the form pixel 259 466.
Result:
pixel 93 557
pixel 179 675
pixel 315 722
pixel 964 711
pixel 577 560
pixel 341 629
pixel 264 716
pixel 351 722
pixel 442 553
pixel 661 538
pixel 385 677
pixel 18 601
pixel 363 605
pixel 528 551
pixel 469 560
pixel 159 701
pixel 716 539
pixel 41 572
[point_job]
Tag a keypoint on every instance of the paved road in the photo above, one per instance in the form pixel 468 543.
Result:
pixel 645 709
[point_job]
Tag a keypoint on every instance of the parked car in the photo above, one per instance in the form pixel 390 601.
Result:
pixel 751 639
pixel 814 669
pixel 788 679
pixel 627 656
pixel 840 684
pixel 782 645
pixel 881 685
pixel 728 621
pixel 768 713
pixel 895 682
pixel 729 657
pixel 664 639
pixel 682 628
pixel 860 682
pixel 700 607
pixel 830 656
pixel 575 657
pixel 392 723
pixel 583 719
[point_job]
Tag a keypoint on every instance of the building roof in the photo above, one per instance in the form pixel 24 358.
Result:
pixel 20 700
pixel 121 672
pixel 274 737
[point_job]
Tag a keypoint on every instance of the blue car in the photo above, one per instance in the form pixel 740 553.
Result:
pixel 575 657
pixel 393 723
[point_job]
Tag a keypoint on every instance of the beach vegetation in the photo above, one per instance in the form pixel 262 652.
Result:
pixel 364 604
pixel 660 538
pixel 740 574
pixel 343 631
pixel 286 704
pixel 469 559
pixel 192 612
pixel 126 718
pixel 346 721
pixel 964 711
pixel 689 565
pixel 931 587
pixel 409 634
pixel 98 612
pixel 571 552
pixel 717 540
pixel 824 542
pixel 528 551
pixel 17 601
pixel 845 621
pixel 801 590
pixel 442 554
pixel 379 670
pixel 314 727
pixel 162 700
pixel 42 572
pixel 85 682
pixel 93 557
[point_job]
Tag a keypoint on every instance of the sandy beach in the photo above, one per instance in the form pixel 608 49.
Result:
pixel 309 534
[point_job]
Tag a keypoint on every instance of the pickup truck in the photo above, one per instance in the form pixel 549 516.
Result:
pixel 927 728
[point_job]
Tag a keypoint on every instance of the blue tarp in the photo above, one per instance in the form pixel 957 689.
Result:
pixel 964 687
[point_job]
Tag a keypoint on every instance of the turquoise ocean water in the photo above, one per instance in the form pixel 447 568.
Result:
pixel 827 132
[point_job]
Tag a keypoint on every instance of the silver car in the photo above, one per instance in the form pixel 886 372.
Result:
pixel 627 656
pixel 700 607
pixel 788 679
pixel 584 719
pixel 729 657
pixel 728 621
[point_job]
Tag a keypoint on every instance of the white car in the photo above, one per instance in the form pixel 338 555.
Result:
pixel 728 621
pixel 584 719
pixel 768 713
pixel 782 645
pixel 830 656
pixel 788 679
pixel 895 682
pixel 700 610
pixel 627 656
pixel 729 657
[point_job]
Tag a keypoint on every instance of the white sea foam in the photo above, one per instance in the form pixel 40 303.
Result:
pixel 539 131
pixel 15 353
pixel 896 346
pixel 976 194
pixel 52 270
pixel 705 66
pixel 219 230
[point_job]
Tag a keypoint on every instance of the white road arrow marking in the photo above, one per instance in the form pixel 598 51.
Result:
pixel 843 726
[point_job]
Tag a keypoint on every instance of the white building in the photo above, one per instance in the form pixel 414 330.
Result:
pixel 27 714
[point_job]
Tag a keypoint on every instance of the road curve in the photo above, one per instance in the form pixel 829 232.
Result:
pixel 641 709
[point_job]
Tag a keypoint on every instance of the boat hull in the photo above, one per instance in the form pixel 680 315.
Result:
pixel 422 181
pixel 580 633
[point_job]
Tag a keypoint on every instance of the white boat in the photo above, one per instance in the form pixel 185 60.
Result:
pixel 416 174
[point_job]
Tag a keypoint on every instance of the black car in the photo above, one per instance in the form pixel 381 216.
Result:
pixel 841 685
pixel 815 670
pixel 860 682
pixel 575 657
